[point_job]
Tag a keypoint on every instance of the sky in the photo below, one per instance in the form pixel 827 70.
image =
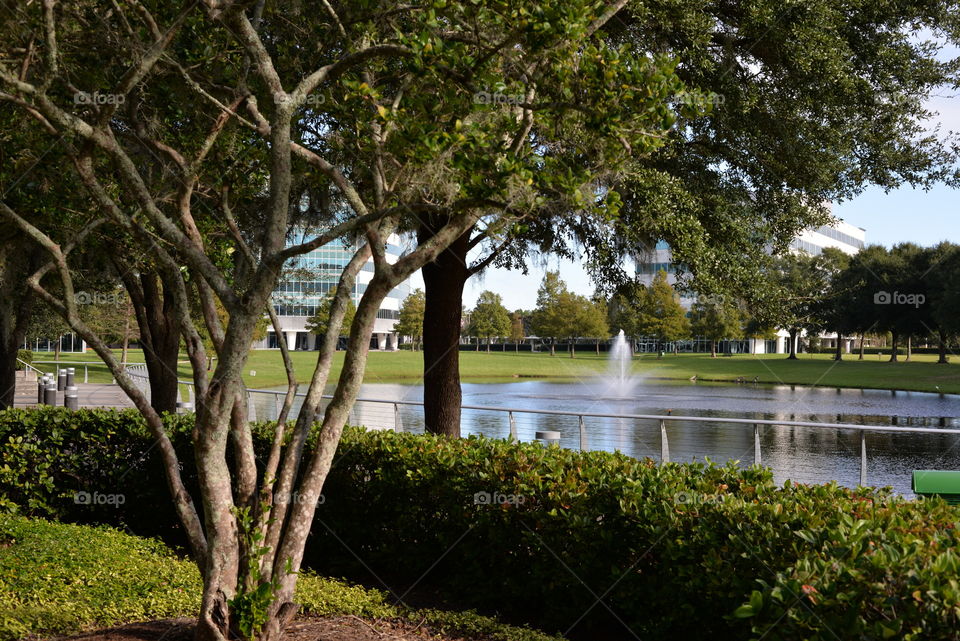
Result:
pixel 902 215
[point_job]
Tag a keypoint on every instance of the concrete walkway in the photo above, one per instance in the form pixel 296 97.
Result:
pixel 89 394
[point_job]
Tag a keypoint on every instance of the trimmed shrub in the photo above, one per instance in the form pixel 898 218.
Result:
pixel 884 572
pixel 589 542
pixel 26 356
pixel 89 466
pixel 596 542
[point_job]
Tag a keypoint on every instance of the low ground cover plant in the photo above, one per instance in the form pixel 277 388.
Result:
pixel 58 578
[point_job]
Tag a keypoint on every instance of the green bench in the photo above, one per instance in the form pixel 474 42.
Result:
pixel 942 483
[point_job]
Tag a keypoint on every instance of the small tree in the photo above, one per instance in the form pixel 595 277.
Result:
pixel 550 318
pixel 375 107
pixel 489 317
pixel 318 323
pixel 45 323
pixel 717 318
pixel 795 289
pixel 114 320
pixel 945 298
pixel 517 332
pixel 660 313
pixel 411 317
pixel 586 319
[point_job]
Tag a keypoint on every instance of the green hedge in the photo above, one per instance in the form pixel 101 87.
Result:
pixel 53 460
pixel 881 573
pixel 671 551
pixel 26 356
pixel 902 350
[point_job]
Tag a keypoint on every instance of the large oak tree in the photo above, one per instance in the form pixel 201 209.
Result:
pixel 804 103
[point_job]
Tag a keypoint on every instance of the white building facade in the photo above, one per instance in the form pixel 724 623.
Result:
pixel 307 282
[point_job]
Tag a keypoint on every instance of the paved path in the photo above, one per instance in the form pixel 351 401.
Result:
pixel 89 394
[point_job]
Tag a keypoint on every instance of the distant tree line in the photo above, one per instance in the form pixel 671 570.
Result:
pixel 909 293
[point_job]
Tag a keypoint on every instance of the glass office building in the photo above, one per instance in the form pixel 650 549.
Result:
pixel 308 279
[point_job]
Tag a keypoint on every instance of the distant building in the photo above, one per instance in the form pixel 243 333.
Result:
pixel 308 279
pixel 843 236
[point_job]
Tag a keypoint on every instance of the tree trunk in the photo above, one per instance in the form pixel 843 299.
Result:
pixel 56 349
pixel 838 356
pixel 16 307
pixel 713 349
pixel 126 334
pixel 553 348
pixel 943 347
pixel 14 316
pixel 159 335
pixel 443 281
pixel 862 339
pixel 793 345
pixel 572 346
pixel 488 344
pixel 909 348
pixel 895 341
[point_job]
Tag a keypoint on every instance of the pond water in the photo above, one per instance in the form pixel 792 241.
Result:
pixel 806 455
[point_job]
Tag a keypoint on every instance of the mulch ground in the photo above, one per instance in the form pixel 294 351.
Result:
pixel 340 628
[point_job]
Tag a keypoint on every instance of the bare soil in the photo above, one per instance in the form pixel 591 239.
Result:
pixel 339 628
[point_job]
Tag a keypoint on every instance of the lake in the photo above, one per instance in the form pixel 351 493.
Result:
pixel 805 455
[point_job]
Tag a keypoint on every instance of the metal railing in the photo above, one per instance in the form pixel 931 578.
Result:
pixel 387 415
pixel 27 367
pixel 86 367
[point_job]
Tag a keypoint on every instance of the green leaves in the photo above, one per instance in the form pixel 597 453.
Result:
pixel 685 549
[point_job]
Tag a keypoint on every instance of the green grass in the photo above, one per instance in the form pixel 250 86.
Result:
pixel 57 579
pixel 265 369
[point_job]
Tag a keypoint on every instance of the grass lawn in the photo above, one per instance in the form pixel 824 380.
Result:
pixel 265 369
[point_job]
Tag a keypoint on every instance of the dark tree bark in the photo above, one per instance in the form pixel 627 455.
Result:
pixel 862 338
pixel 159 336
pixel 838 355
pixel 443 281
pixel 943 347
pixel 713 349
pixel 14 316
pixel 793 345
pixel 909 348
pixel 895 340
pixel 16 306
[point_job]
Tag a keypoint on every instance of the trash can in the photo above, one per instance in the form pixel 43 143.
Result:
pixel 942 483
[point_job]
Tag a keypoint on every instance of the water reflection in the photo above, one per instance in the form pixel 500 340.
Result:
pixel 801 454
